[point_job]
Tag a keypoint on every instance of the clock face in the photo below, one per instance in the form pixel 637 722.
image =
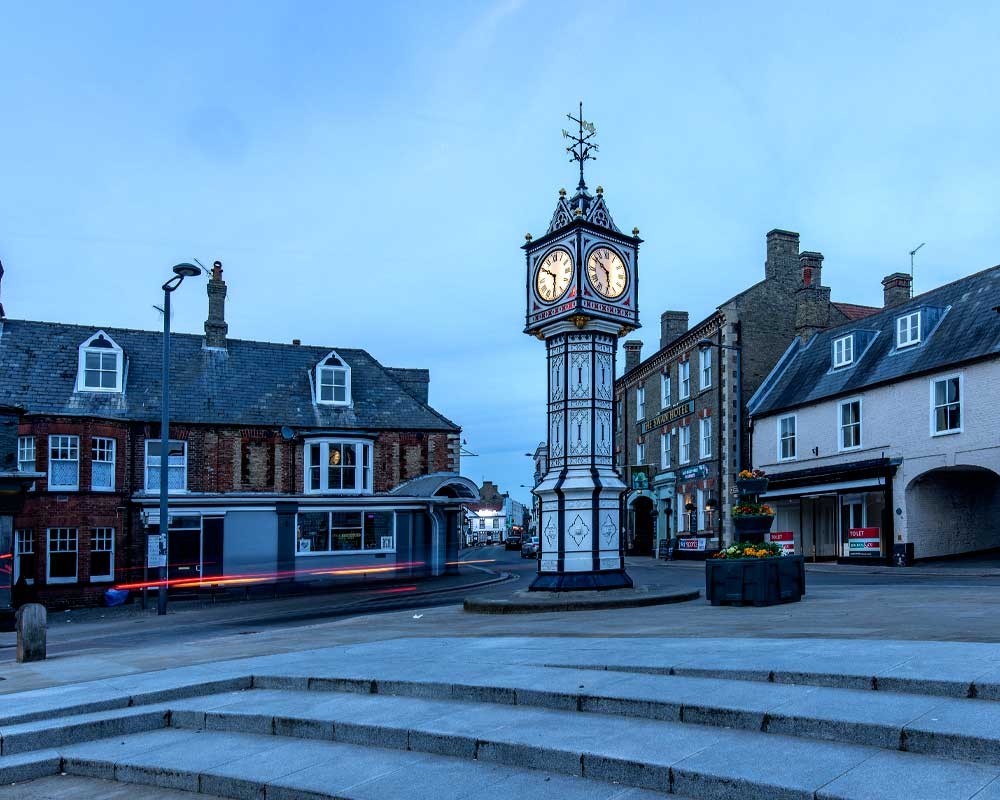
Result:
pixel 554 275
pixel 607 272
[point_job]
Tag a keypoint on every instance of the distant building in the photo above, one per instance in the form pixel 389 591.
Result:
pixel 681 428
pixel 883 434
pixel 485 524
pixel 284 460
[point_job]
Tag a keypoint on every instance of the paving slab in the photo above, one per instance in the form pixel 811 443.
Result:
pixel 73 787
pixel 903 776
pixel 960 729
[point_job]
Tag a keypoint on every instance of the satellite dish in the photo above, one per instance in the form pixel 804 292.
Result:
pixel 287 433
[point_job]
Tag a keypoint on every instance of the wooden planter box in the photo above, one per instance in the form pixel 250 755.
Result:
pixel 755 581
pixel 752 486
pixel 752 529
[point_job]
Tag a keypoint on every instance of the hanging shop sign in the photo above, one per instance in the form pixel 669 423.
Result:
pixel 639 476
pixel 864 542
pixel 676 412
pixel 785 538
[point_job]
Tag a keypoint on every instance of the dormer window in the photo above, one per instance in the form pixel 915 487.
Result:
pixel 843 351
pixel 101 365
pixel 908 330
pixel 333 381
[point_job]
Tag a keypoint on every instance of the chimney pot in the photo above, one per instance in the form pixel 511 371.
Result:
pixel 296 342
pixel 633 354
pixel 896 288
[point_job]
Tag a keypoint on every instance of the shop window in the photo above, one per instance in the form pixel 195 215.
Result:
pixel 850 424
pixel 946 405
pixel 102 554
pixel 102 464
pixel 786 438
pixel 345 532
pixel 61 561
pixel 176 466
pixel 64 463
pixel 24 555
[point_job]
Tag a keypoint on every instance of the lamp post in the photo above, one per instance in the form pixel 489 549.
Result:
pixel 739 400
pixel 181 271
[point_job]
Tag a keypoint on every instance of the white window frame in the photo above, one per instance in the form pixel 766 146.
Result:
pixel 840 425
pixel 88 348
pixel 326 375
pixel 147 464
pixel 705 368
pixel 640 403
pixel 683 380
pixel 699 499
pixel 26 454
pixel 684 444
pixel 364 450
pixel 664 389
pixel 72 535
pixel 352 510
pixel 843 351
pixel 794 438
pixel 913 333
pixel 704 438
pixel 664 450
pixel 640 453
pixel 110 534
pixel 103 445
pixel 961 404
pixel 22 535
pixel 69 445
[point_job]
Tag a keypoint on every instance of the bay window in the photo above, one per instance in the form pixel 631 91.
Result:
pixel 61 561
pixel 102 554
pixel 334 466
pixel 64 462
pixel 102 464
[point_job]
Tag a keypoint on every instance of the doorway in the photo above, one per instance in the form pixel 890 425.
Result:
pixel 195 548
pixel 643 527
pixel 819 527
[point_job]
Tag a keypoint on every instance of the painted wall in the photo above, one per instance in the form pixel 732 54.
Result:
pixel 250 542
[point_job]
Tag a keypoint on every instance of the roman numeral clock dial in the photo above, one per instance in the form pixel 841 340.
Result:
pixel 554 275
pixel 607 272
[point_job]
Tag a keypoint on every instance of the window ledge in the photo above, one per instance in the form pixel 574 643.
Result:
pixel 308 553
pixel 61 580
pixel 947 433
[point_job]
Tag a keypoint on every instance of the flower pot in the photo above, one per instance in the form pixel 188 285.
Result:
pixel 752 486
pixel 755 581
pixel 752 528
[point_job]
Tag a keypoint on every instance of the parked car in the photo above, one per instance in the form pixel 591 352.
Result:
pixel 529 548
pixel 513 541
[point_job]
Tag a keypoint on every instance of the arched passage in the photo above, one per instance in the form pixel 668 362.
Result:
pixel 642 525
pixel 953 510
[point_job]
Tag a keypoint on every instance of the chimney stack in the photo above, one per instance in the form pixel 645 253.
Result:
pixel 811 268
pixel 633 354
pixel 1 287
pixel 672 325
pixel 216 327
pixel 782 256
pixel 812 299
pixel 896 288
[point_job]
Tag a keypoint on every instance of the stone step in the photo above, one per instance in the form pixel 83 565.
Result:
pixel 242 765
pixel 931 724
pixel 690 759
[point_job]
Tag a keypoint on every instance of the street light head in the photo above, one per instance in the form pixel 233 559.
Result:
pixel 186 270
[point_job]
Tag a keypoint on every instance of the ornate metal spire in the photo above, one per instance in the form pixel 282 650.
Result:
pixel 582 148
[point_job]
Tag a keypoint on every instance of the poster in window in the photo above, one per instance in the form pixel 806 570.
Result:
pixel 305 545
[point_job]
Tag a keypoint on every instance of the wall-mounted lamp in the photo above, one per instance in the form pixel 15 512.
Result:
pixel 711 504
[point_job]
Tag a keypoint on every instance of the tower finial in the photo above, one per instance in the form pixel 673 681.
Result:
pixel 582 147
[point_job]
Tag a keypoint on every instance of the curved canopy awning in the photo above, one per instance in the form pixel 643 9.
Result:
pixel 439 484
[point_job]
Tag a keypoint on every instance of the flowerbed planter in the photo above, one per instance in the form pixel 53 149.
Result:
pixel 751 486
pixel 755 581
pixel 752 528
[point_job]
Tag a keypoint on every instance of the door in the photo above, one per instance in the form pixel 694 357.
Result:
pixel 211 546
pixel 184 554
pixel 819 527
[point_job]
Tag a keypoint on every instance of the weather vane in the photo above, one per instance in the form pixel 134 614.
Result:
pixel 582 147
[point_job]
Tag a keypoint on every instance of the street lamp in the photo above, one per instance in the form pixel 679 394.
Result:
pixel 181 271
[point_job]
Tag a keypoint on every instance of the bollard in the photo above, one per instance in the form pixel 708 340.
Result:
pixel 31 633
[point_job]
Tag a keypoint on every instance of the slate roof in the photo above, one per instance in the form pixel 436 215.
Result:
pixel 968 330
pixel 250 383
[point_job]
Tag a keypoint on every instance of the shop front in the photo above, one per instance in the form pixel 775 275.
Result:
pixel 837 513
pixel 691 515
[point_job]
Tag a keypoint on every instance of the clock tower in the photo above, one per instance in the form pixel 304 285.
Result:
pixel 582 289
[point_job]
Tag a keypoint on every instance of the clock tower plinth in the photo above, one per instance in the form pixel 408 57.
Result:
pixel 582 289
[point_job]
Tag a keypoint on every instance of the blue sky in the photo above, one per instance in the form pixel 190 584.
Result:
pixel 366 172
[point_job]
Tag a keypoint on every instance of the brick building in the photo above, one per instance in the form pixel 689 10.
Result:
pixel 681 428
pixel 881 434
pixel 285 461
